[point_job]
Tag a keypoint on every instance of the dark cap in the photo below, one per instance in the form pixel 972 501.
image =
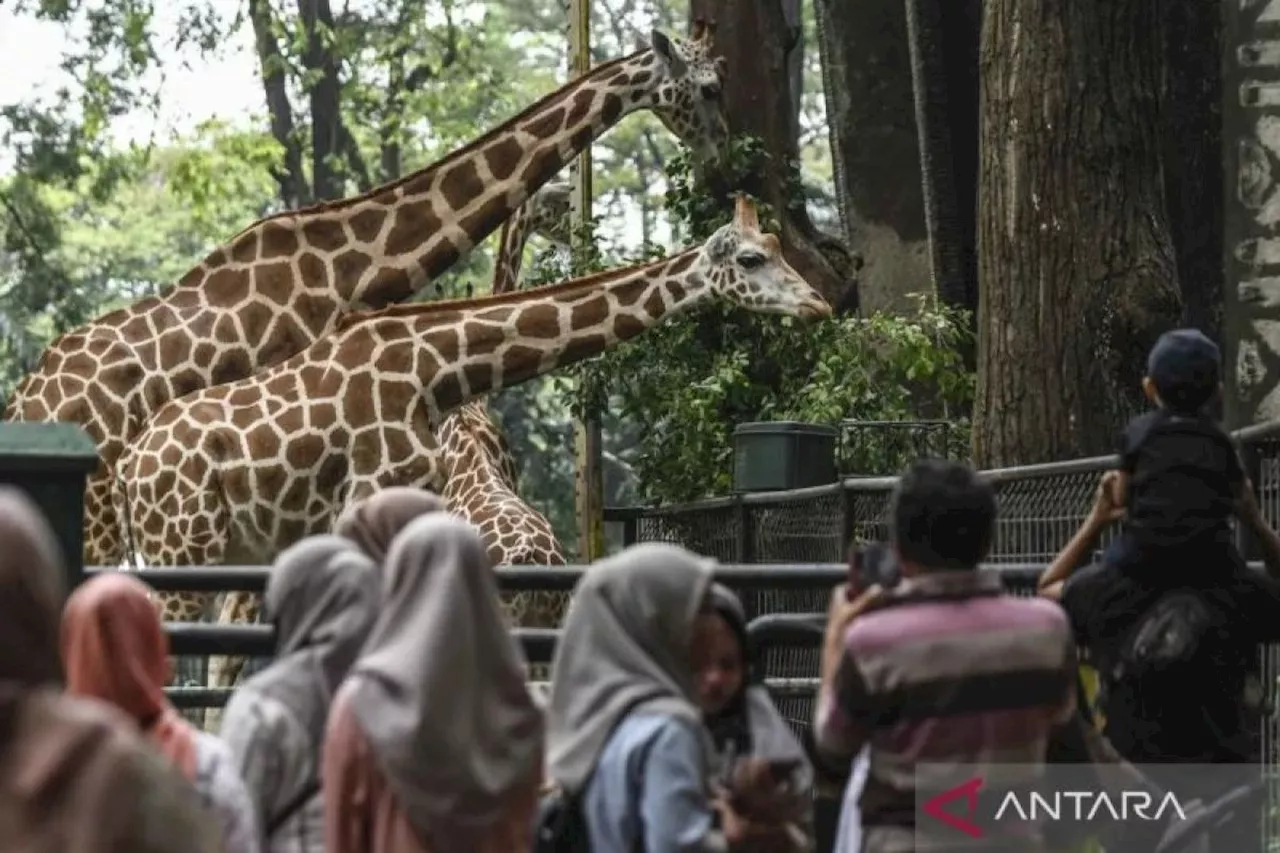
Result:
pixel 1186 367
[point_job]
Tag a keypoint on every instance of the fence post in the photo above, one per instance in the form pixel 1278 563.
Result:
pixel 849 515
pixel 630 530
pixel 746 531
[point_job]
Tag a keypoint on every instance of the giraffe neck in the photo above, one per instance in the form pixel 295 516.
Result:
pixel 483 345
pixel 510 255
pixel 414 229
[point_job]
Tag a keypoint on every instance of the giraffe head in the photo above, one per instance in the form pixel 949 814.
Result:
pixel 549 210
pixel 745 266
pixel 688 91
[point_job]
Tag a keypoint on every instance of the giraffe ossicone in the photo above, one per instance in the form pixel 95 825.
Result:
pixel 279 285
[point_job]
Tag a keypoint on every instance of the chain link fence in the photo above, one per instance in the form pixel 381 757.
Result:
pixel 1040 508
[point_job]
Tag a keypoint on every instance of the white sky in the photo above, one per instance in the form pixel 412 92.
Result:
pixel 193 89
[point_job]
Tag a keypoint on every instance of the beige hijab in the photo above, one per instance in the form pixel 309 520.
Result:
pixel 373 522
pixel 624 649
pixel 439 690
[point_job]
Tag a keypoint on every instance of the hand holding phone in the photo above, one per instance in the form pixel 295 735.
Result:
pixel 870 565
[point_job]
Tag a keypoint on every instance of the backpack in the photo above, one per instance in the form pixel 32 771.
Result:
pixel 561 828
pixel 1178 638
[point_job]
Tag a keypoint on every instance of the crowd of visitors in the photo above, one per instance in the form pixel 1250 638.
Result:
pixel 395 716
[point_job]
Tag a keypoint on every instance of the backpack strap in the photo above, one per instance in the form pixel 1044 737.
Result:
pixel 292 807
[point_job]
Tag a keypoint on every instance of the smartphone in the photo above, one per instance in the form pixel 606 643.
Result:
pixel 871 564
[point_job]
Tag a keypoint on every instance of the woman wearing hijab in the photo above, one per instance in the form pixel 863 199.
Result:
pixel 115 649
pixel 625 736
pixel 322 597
pixel 434 743
pixel 76 775
pixel 375 521
pixel 745 726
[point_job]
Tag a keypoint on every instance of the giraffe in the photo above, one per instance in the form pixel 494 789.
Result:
pixel 239 471
pixel 280 284
pixel 478 474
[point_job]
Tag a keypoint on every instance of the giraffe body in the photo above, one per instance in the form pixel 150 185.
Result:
pixel 479 474
pixel 282 283
pixel 242 470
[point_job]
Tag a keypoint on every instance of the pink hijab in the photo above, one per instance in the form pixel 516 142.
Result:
pixel 115 649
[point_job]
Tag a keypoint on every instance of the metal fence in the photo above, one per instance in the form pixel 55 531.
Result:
pixel 881 448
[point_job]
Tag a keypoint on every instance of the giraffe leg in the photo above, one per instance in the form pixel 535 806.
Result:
pixel 238 608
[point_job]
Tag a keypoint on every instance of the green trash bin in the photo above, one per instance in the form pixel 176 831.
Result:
pixel 774 456
pixel 51 462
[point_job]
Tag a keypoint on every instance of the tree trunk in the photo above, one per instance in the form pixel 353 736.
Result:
pixel 754 39
pixel 1193 157
pixel 290 176
pixel 943 38
pixel 325 91
pixel 1076 266
pixel 875 157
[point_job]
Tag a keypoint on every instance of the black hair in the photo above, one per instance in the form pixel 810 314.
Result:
pixel 944 515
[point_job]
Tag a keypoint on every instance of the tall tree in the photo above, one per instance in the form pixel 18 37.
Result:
pixel 1076 265
pixel 943 38
pixel 757 43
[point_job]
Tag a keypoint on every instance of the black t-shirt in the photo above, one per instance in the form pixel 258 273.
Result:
pixel 1202 716
pixel 1184 479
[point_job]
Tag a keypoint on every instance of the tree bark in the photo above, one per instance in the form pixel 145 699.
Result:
pixel 328 144
pixel 753 38
pixel 290 176
pixel 943 37
pixel 1193 157
pixel 1076 267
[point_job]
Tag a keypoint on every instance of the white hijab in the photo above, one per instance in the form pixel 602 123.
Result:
pixel 624 648
pixel 439 691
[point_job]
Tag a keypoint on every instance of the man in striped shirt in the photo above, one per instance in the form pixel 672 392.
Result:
pixel 944 671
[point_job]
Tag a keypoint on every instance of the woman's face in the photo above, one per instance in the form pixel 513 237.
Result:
pixel 718 662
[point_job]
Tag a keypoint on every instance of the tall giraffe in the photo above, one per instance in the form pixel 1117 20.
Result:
pixel 239 471
pixel 281 284
pixel 481 480
pixel 479 476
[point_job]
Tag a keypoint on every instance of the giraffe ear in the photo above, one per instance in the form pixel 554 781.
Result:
pixel 744 214
pixel 666 52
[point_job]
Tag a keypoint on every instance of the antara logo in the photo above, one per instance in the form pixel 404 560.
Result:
pixel 1073 805
pixel 1087 805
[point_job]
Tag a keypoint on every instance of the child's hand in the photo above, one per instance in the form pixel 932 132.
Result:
pixel 1108 501
pixel 1247 503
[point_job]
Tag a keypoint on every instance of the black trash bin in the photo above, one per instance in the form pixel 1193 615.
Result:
pixel 51 462
pixel 780 455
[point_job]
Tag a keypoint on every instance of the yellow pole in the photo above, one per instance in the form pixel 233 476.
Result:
pixel 589 481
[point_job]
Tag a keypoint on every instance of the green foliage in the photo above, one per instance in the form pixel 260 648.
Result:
pixel 686 384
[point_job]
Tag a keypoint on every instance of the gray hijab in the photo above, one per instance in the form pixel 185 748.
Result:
pixel 373 522
pixel 624 649
pixel 322 596
pixel 439 691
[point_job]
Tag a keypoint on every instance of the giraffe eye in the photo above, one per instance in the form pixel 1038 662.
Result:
pixel 751 261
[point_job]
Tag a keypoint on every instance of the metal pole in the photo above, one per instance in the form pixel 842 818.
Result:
pixel 589 482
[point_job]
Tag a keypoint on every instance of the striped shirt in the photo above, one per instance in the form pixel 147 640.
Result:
pixel 953 672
